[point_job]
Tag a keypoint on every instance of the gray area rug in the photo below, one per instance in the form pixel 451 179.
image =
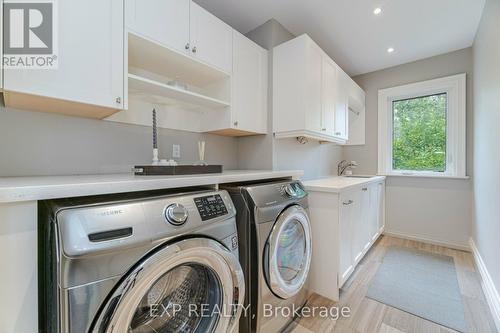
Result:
pixel 421 283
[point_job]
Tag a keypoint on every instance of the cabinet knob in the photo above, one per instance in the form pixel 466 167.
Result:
pixel 194 49
pixel 337 133
pixel 235 123
pixel 118 100
pixel 187 46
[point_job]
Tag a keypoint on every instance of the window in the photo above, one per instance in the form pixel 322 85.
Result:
pixel 422 129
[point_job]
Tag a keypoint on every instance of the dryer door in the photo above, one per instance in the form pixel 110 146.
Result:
pixel 289 252
pixel 195 285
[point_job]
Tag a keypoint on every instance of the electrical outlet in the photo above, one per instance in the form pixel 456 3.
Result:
pixel 176 151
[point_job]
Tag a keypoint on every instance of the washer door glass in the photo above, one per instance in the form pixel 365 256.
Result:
pixel 173 303
pixel 194 285
pixel 289 252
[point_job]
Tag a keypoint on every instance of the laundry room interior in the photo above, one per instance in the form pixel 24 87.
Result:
pixel 247 166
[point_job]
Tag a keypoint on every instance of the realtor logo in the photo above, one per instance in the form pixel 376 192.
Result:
pixel 30 39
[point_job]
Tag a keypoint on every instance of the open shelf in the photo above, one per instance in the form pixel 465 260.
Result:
pixel 156 91
pixel 151 56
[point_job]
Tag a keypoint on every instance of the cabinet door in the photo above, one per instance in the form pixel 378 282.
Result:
pixel 313 88
pixel 329 74
pixel 341 105
pixel 381 206
pixel 90 60
pixel 346 264
pixel 359 227
pixel 374 211
pixel 211 39
pixel 367 218
pixel 249 85
pixel 165 21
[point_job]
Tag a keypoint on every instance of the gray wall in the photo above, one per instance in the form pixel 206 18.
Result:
pixel 35 143
pixel 264 151
pixel 433 209
pixel 486 222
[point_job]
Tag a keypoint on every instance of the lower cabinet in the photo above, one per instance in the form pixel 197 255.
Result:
pixel 344 227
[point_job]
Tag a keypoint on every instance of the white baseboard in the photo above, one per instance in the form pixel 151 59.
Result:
pixel 423 239
pixel 490 291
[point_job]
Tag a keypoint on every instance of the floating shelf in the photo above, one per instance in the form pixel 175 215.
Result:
pixel 151 56
pixel 156 91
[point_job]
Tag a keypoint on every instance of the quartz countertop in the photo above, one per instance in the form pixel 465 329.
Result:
pixel 15 189
pixel 338 184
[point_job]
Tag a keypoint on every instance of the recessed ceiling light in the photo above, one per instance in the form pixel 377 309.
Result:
pixel 377 11
pixel 390 50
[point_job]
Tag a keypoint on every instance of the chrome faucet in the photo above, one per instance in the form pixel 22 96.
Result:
pixel 344 165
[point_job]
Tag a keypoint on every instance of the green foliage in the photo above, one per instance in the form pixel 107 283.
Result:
pixel 419 133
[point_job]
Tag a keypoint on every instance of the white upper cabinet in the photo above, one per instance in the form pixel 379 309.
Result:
pixel 211 39
pixel 247 114
pixel 341 104
pixel 249 85
pixel 297 89
pixel 184 26
pixel 310 93
pixel 90 64
pixel 164 21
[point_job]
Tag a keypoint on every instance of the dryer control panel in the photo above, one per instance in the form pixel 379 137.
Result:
pixel 210 207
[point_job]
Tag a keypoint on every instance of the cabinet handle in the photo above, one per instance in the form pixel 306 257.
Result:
pixel 346 203
pixel 118 100
pixel 187 46
pixel 235 123
pixel 337 133
pixel 364 189
pixel 194 49
pixel 323 129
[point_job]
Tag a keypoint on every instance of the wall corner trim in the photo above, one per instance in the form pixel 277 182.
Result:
pixel 490 291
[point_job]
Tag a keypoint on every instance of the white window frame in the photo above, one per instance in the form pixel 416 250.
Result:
pixel 455 88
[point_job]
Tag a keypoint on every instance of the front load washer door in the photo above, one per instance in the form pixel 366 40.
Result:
pixel 195 285
pixel 288 252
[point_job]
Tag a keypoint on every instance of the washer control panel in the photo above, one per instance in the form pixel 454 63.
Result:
pixel 210 207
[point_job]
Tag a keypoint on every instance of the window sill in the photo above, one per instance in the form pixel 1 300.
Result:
pixel 416 175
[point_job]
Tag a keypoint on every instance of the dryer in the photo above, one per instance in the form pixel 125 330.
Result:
pixel 140 263
pixel 275 252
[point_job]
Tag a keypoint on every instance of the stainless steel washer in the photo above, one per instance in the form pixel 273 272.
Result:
pixel 275 252
pixel 145 264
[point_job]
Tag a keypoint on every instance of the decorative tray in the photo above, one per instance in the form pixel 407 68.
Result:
pixel 168 170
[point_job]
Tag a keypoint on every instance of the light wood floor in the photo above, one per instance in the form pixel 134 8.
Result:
pixel 371 316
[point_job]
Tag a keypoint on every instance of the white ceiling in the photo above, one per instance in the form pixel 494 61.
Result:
pixel 355 38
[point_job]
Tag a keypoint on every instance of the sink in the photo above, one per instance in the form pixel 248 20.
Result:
pixel 359 176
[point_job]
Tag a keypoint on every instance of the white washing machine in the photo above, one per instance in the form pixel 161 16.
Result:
pixel 140 263
pixel 275 252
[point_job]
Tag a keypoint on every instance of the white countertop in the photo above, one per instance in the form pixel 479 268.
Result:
pixel 338 184
pixel 14 189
